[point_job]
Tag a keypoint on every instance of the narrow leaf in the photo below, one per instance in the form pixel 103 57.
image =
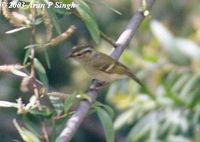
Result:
pixel 103 3
pixel 107 108
pixel 86 14
pixel 66 1
pixel 27 54
pixel 107 123
pixel 172 95
pixel 8 104
pixel 16 30
pixel 69 102
pixel 54 19
pixel 46 55
pixel 26 135
pixel 41 72
pixel 19 73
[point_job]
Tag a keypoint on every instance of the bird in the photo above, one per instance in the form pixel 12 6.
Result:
pixel 99 65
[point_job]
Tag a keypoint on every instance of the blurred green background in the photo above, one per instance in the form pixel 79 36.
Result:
pixel 164 53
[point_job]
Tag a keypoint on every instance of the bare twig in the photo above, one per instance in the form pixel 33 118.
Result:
pixel 32 75
pixel 76 119
pixel 108 39
pixel 45 137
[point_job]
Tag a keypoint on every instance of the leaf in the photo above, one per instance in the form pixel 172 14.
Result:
pixel 46 55
pixel 32 46
pixel 66 1
pixel 142 127
pixel 26 135
pixel 69 101
pixel 124 118
pixel 188 48
pixel 195 98
pixel 97 2
pixel 166 39
pixel 89 20
pixel 38 21
pixel 107 108
pixel 30 122
pixel 54 19
pixel 41 72
pixel 19 73
pixel 8 104
pixel 173 96
pixel 107 123
pixel 179 83
pixel 163 35
pixel 189 86
pixel 16 30
pixel 27 54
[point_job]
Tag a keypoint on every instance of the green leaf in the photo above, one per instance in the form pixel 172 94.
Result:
pixel 195 98
pixel 189 86
pixel 172 95
pixel 124 118
pixel 27 54
pixel 142 127
pixel 66 1
pixel 46 55
pixel 69 101
pixel 103 3
pixel 107 123
pixel 26 135
pixel 89 20
pixel 32 123
pixel 38 21
pixel 41 72
pixel 107 108
pixel 167 42
pixel 180 82
pixel 54 19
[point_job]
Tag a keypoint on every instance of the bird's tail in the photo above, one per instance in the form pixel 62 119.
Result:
pixel 131 75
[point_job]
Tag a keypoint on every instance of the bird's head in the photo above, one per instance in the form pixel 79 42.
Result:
pixel 82 52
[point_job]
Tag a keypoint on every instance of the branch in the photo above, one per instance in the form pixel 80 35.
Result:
pixel 76 119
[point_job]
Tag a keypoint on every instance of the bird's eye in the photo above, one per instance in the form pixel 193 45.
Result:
pixel 78 54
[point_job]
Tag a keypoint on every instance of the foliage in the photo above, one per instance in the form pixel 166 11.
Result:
pixel 174 78
pixel 34 49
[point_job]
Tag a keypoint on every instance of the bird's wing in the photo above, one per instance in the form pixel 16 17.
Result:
pixel 110 66
pixel 114 67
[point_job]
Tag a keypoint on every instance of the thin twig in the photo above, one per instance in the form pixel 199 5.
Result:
pixel 44 132
pixel 76 119
pixel 32 75
pixel 108 39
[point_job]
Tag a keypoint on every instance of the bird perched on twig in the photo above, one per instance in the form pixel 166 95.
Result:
pixel 99 65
